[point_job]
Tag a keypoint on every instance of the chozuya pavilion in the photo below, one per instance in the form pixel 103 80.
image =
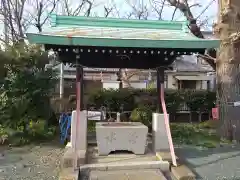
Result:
pixel 120 43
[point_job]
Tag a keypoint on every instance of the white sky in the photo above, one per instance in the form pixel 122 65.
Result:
pixel 124 7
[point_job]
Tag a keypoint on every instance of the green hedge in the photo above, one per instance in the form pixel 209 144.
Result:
pixel 130 99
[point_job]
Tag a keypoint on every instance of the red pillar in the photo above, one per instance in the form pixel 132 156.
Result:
pixel 161 100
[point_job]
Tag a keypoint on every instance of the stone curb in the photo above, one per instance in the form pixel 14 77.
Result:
pixel 127 175
pixel 162 165
pixel 69 174
pixel 181 172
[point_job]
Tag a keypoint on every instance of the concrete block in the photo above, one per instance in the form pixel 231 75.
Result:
pixel 69 157
pixel 159 133
pixel 182 172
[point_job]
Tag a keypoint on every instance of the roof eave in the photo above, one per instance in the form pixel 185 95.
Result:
pixel 144 43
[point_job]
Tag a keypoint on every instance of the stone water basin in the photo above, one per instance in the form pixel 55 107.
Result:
pixel 128 136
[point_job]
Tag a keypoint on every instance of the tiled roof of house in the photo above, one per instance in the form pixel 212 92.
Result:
pixel 188 64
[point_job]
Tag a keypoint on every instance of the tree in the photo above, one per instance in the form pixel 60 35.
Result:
pixel 141 11
pixel 227 62
pixel 185 8
pixel 69 10
pixel 18 17
pixel 228 79
pixel 26 86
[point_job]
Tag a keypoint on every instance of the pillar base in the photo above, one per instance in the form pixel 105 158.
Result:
pixel 69 158
pixel 79 131
pixel 159 133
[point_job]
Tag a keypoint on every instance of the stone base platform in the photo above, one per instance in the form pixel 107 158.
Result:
pixel 120 156
pixel 69 174
pixel 127 174
pixel 123 161
pixel 181 172
pixel 69 157
pixel 154 165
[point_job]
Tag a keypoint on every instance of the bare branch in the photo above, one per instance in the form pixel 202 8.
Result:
pixel 184 7
pixel 174 12
pixel 209 4
pixel 89 8
pixel 138 12
pixel 107 11
pixel 158 10
pixel 210 60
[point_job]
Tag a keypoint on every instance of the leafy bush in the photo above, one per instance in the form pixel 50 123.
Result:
pixel 114 100
pixel 35 131
pixel 127 100
pixel 39 130
pixel 25 87
pixel 210 124
pixel 3 135
pixel 142 114
pixel 25 91
pixel 183 133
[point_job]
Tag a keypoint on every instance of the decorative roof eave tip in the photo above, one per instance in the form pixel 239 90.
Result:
pixel 53 18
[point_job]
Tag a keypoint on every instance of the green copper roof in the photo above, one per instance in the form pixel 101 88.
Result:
pixel 86 31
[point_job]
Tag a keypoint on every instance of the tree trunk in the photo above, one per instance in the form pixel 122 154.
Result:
pixel 228 79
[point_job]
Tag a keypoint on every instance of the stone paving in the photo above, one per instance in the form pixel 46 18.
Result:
pixel 127 175
pixel 222 163
pixel 125 157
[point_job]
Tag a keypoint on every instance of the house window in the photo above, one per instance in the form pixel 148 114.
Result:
pixel 187 84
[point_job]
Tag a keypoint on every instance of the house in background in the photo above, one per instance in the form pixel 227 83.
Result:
pixel 187 72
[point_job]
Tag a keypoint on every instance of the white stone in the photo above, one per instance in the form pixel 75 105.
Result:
pixel 131 137
pixel 159 133
pixel 162 165
pixel 79 130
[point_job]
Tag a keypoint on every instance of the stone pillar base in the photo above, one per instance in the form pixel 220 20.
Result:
pixel 159 133
pixel 79 130
pixel 69 157
pixel 68 174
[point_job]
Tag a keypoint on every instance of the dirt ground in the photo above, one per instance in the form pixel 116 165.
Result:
pixel 31 162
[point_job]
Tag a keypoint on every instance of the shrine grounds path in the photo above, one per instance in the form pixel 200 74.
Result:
pixel 42 161
pixel 222 163
pixel 31 162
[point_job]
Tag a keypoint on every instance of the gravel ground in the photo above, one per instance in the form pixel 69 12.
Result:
pixel 32 162
pixel 42 162
pixel 222 163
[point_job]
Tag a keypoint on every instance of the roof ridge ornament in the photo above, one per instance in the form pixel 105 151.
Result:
pixel 82 21
pixel 185 25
